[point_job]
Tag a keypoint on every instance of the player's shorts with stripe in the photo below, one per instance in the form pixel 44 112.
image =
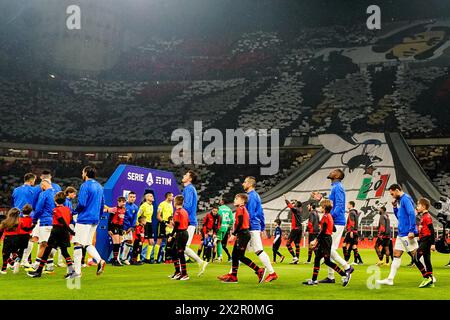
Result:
pixel 382 242
pixel 148 232
pixel 242 239
pixel 44 233
pixel 324 246
pixel 84 234
pixel 255 243
pixel 181 239
pixel 425 245
pixel 405 244
pixel 59 238
pixel 295 235
pixel 161 231
pixel 312 237
pixel 351 241
pixel 116 229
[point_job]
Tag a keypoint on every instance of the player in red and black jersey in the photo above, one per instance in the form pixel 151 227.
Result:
pixel 24 232
pixel 115 227
pixel 426 243
pixel 351 236
pixel 384 237
pixel 180 237
pixel 296 229
pixel 138 239
pixel 59 236
pixel 323 246
pixel 242 234
pixel 313 227
pixel 211 221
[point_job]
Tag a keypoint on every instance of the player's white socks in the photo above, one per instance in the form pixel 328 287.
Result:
pixel 27 252
pixel 264 258
pixel 93 253
pixel 336 258
pixel 191 254
pixel 126 250
pixel 60 257
pixel 396 263
pixel 77 255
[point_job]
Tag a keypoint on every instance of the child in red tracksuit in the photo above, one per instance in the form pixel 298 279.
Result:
pixel 138 237
pixel 181 236
pixel 242 233
pixel 323 246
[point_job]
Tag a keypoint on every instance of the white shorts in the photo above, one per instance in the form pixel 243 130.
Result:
pixel 35 233
pixel 127 236
pixel 84 234
pixel 404 244
pixel 44 233
pixel 336 237
pixel 191 231
pixel 255 243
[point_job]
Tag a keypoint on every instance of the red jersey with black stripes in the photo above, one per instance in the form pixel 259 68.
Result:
pixel 424 229
pixel 61 212
pixel 296 221
pixel 25 224
pixel 241 212
pixel 118 215
pixel 328 220
pixel 181 216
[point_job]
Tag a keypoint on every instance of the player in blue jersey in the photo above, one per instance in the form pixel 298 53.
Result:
pixel 190 205
pixel 404 210
pixel 337 196
pixel 25 193
pixel 43 213
pixel 257 226
pixel 90 206
pixel 129 224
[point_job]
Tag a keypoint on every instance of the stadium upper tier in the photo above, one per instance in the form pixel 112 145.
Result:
pixel 306 84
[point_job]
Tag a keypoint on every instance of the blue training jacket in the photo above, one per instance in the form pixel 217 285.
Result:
pixel 190 203
pixel 23 195
pixel 406 216
pixel 44 208
pixel 255 212
pixel 337 195
pixel 90 202
pixel 38 190
pixel 130 215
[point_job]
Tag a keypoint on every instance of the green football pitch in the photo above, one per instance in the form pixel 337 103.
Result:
pixel 151 282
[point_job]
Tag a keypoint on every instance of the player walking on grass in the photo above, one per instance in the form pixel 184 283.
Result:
pixel 59 237
pixel 351 236
pixel 42 215
pixel 384 237
pixel 129 224
pixel 337 197
pixel 138 238
pixel 277 242
pixel 146 210
pixel 296 229
pixel 407 230
pixel 190 205
pixel 257 225
pixel 426 243
pixel 323 246
pixel 227 221
pixel 313 227
pixel 90 207
pixel 115 227
pixel 242 233
pixel 181 236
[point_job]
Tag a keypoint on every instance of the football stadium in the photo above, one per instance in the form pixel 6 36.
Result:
pixel 224 150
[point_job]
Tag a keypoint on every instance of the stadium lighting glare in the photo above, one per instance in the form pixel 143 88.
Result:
pixel 52 76
pixel 14 150
pixel 89 154
pixel 53 153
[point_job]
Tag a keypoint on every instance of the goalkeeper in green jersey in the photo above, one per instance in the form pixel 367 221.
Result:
pixel 226 223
